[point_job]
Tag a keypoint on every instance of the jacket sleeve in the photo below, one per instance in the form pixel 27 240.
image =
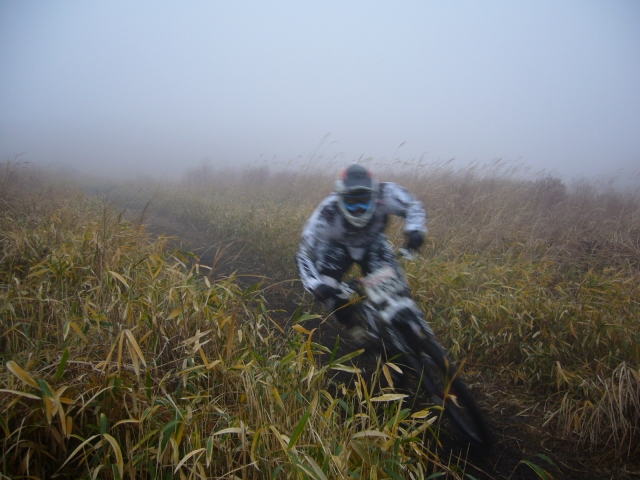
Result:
pixel 399 201
pixel 314 236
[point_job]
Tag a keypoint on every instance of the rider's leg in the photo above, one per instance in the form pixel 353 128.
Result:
pixel 332 261
pixel 341 308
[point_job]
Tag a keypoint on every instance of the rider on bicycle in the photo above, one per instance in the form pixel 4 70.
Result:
pixel 348 227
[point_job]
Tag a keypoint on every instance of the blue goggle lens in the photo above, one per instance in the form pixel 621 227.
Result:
pixel 357 202
pixel 356 206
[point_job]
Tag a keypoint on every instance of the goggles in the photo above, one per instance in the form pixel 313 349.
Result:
pixel 357 201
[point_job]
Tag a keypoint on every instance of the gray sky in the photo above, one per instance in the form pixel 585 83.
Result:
pixel 158 86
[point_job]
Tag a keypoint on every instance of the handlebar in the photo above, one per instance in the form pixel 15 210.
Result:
pixel 407 254
pixel 355 285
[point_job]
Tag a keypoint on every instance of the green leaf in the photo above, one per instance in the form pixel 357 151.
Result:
pixel 297 314
pixel 348 356
pixel 151 465
pixel 209 450
pixel 299 428
pixel 548 460
pixel 104 423
pixel 167 431
pixel 63 364
pixel 288 357
pixel 253 288
pixel 306 316
pixel 44 386
pixel 345 407
pixel 540 471
pixel 275 473
pixel 334 352
pixel 392 473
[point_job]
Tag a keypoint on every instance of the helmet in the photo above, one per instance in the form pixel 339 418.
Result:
pixel 357 193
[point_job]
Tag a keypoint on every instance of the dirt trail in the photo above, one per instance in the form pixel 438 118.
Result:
pixel 514 415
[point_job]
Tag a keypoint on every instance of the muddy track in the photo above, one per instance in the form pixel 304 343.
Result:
pixel 514 415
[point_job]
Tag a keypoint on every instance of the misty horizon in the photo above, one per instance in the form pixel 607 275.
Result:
pixel 158 88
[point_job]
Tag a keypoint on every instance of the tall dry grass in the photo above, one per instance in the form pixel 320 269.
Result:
pixel 122 359
pixel 528 276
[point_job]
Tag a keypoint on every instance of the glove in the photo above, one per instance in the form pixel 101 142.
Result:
pixel 324 292
pixel 415 239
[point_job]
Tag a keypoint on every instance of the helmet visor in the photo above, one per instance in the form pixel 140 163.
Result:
pixel 357 202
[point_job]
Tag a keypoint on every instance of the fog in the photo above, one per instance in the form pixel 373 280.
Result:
pixel 156 87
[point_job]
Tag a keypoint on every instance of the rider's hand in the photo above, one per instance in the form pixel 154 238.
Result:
pixel 415 239
pixel 324 292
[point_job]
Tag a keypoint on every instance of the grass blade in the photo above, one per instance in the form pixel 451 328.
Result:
pixel 63 364
pixel 14 368
pixel 539 470
pixel 117 451
pixel 299 428
pixel 187 457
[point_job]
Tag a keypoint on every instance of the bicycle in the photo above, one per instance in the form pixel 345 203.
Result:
pixel 395 327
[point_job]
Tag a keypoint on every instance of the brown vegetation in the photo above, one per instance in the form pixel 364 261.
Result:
pixel 534 277
pixel 122 359
pixel 126 358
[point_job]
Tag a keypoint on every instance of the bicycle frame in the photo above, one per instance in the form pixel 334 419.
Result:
pixel 396 326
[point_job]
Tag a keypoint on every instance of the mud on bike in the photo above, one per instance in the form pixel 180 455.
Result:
pixel 394 326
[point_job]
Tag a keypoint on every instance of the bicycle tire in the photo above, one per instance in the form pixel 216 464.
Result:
pixel 437 374
pixel 447 389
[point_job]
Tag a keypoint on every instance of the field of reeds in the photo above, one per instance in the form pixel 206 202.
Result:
pixel 527 277
pixel 124 359
pixel 127 358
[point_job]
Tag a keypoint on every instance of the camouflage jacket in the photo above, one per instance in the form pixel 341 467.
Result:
pixel 327 226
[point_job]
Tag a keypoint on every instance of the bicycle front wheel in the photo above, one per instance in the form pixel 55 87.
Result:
pixel 441 381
